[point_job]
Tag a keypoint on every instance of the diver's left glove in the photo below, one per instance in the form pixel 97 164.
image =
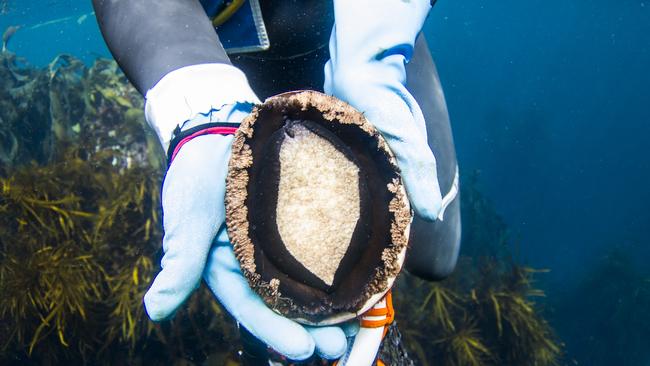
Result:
pixel 371 42
pixel 195 242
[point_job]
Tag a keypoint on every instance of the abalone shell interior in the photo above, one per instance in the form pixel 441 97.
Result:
pixel 317 201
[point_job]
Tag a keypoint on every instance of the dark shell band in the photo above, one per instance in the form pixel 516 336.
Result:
pixel 290 281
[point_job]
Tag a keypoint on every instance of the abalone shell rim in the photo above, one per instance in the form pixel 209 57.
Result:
pixel 332 109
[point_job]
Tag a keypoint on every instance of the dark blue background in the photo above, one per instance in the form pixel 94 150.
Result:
pixel 550 100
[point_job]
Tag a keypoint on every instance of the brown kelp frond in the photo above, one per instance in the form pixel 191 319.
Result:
pixel 530 332
pixel 512 297
pixel 464 346
pixel 522 279
pixel 440 300
pixel 110 217
pixel 508 305
pixel 80 224
pixel 48 273
pixel 62 259
pixel 39 211
pixel 133 197
pixel 479 316
pixel 128 321
pixel 43 289
pixel 69 283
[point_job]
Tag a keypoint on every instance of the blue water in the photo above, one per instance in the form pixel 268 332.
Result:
pixel 549 100
pixel 50 27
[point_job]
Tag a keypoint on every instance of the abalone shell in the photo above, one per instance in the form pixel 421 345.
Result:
pixel 315 208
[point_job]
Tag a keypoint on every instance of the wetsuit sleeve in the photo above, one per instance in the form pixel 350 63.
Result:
pixel 434 246
pixel 170 51
pixel 151 38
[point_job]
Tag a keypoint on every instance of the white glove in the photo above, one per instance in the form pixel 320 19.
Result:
pixel 371 42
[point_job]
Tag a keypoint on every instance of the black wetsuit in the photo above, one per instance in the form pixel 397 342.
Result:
pixel 150 38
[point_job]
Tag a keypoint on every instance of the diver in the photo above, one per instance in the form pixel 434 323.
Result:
pixel 368 53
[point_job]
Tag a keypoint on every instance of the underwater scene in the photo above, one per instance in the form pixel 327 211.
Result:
pixel 549 103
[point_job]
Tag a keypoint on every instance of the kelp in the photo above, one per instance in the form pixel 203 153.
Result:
pixel 487 323
pixel 79 247
pixel 485 313
pixel 80 225
pixel 67 103
pixel 80 234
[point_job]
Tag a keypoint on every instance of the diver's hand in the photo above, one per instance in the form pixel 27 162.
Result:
pixel 193 205
pixel 223 276
pixel 370 43
pixel 194 211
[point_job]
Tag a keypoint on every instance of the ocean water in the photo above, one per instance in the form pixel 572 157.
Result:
pixel 550 104
pixel 549 101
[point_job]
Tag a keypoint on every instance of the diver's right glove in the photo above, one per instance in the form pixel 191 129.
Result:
pixel 371 42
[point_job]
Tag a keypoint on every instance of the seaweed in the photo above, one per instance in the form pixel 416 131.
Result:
pixel 80 225
pixel 67 103
pixel 485 313
pixel 80 233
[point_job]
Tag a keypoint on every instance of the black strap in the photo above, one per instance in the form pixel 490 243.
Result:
pixel 178 135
